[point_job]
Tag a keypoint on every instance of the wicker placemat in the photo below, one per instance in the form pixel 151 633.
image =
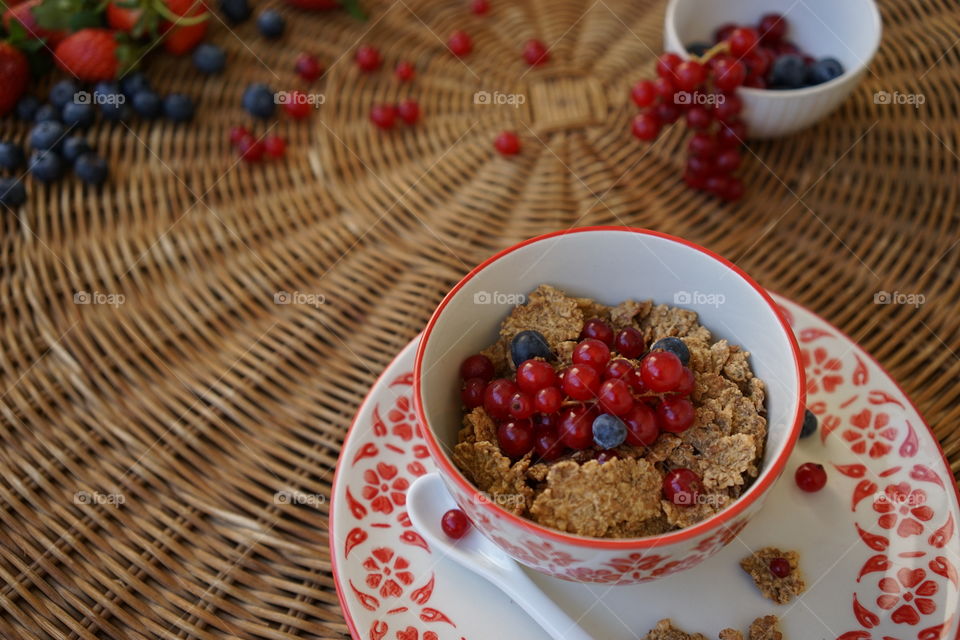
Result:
pixel 196 397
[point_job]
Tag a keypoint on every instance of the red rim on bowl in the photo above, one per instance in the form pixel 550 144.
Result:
pixel 771 473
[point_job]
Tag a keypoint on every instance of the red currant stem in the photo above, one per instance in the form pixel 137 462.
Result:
pixel 721 47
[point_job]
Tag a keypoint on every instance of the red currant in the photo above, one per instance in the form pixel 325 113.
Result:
pixel 409 111
pixel 404 71
pixel 755 82
pixel 728 109
pixel 581 382
pixel 238 133
pixel 480 7
pixel 454 523
pixel 689 75
pixel 702 167
pixel 661 371
pixel 732 189
pixel 643 93
pixel 472 393
pixel 702 145
pixel 606 455
pixel 687 383
pixel 274 146
pixel 515 437
pixel 614 397
pixel 308 67
pixel 598 329
pixel 250 148
pixel 548 400
pixel 780 567
pixel 460 43
pixel 617 368
pixel 676 414
pixel 811 477
pixel 547 445
pixel 297 106
pixel 772 27
pixel 630 343
pixel 592 352
pixel 665 88
pixel 635 380
pixel 645 126
pixel 534 375
pixel 667 63
pixel 507 143
pixel 759 61
pixel 521 406
pixel 728 161
pixel 723 32
pixel 477 366
pixel 682 487
pixel 731 134
pixel 575 427
pixel 693 180
pixel 368 58
pixel 642 427
pixel 666 113
pixel 383 115
pixel 497 397
pixel 785 47
pixel 535 53
pixel 728 74
pixel 742 40
pixel 718 184
pixel 699 118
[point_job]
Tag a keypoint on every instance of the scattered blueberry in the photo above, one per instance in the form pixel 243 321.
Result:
pixel 62 92
pixel 133 83
pixel 27 108
pixel 824 70
pixel 12 193
pixel 609 431
pixel 209 58
pixel 178 107
pixel 259 101
pixel 676 346
pixel 235 10
pixel 105 88
pixel 270 24
pixel 698 48
pixel 47 113
pixel 91 168
pixel 147 103
pixel 74 147
pixel 46 135
pixel 789 72
pixel 115 111
pixel 809 424
pixel 527 345
pixel 45 166
pixel 11 155
pixel 78 114
pixel 113 104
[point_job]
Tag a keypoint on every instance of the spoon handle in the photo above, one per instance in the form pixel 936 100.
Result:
pixel 541 608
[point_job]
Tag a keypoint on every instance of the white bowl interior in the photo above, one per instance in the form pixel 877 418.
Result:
pixel 848 30
pixel 610 266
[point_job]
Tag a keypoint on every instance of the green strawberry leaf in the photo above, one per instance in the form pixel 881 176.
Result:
pixel 353 8
pixel 84 19
pixel 58 14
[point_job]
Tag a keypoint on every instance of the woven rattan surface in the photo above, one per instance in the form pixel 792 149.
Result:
pixel 195 397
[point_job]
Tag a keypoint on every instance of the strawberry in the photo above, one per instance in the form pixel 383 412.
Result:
pixel 89 54
pixel 122 18
pixel 14 74
pixel 187 25
pixel 23 13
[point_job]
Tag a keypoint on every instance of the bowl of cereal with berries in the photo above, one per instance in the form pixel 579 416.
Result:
pixel 608 404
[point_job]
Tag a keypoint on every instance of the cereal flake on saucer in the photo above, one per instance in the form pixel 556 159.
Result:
pixel 779 589
pixel 765 628
pixel 666 631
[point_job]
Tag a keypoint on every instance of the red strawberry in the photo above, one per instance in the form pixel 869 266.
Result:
pixel 181 38
pixel 122 18
pixel 315 5
pixel 23 13
pixel 14 74
pixel 89 54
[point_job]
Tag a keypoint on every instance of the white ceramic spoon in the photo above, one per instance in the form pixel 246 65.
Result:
pixel 427 501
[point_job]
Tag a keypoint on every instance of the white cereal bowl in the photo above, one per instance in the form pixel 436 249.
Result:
pixel 848 30
pixel 609 264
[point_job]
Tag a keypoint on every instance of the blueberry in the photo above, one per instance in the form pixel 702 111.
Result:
pixel 78 114
pixel 46 135
pixel 789 72
pixel 235 10
pixel 698 48
pixel 115 110
pixel 609 431
pixel 27 108
pixel 824 70
pixel 178 107
pixel 270 24
pixel 45 166
pixel 62 93
pixel 527 345
pixel 91 168
pixel 809 424
pixel 11 155
pixel 147 103
pixel 209 58
pixel 12 193
pixel 133 83
pixel 105 88
pixel 676 346
pixel 259 101
pixel 47 113
pixel 74 147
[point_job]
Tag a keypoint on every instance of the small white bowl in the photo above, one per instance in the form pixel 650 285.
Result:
pixel 848 30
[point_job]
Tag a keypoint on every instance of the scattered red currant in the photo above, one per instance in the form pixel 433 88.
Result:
pixel 460 43
pixel 575 427
pixel 368 58
pixel 297 106
pixel 645 126
pixel 642 427
pixel 617 368
pixel 547 445
pixel 811 477
pixel 780 567
pixel 515 437
pixel 682 487
pixel 497 397
pixel 471 395
pixel 250 148
pixel 667 64
pixel 643 94
pixel 772 28
pixel 480 7
pixel 598 329
pixel 274 146
pixel 404 71
pixel 689 75
pixel 687 383
pixel 454 523
pixel 548 400
pixel 742 40
pixel 592 352
pixel 581 382
pixel 238 133
pixel 534 375
pixel 477 366
pixel 661 371
pixel 630 343
pixel 507 143
pixel 308 67
pixel 676 414
pixel 606 455
pixel 521 406
pixel 383 115
pixel 409 111
pixel 535 52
